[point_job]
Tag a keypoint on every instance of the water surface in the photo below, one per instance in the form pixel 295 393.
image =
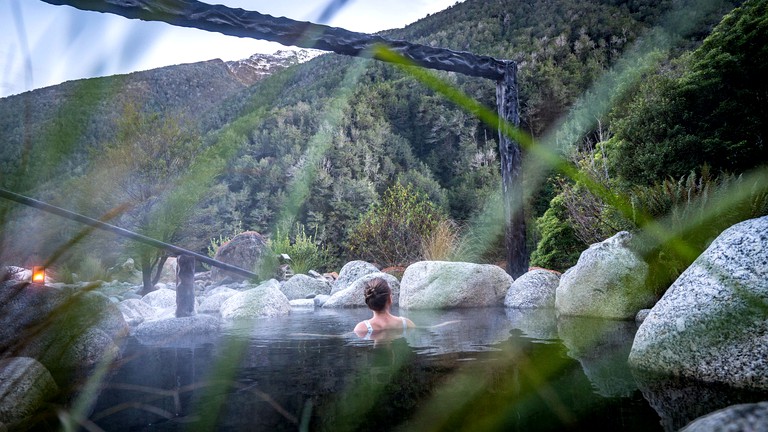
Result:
pixel 493 369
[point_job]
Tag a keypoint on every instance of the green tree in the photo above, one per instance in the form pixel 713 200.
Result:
pixel 391 232
pixel 140 170
pixel 707 107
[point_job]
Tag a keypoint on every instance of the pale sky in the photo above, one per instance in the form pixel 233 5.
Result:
pixel 43 44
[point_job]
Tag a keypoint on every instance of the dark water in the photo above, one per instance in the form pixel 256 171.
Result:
pixel 494 369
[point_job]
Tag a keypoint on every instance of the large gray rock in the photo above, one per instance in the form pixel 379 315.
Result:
pixel 179 332
pixel 71 350
pixel 745 417
pixel 678 401
pixel 15 273
pixel 97 310
pixel 81 308
pixel 351 272
pixel 89 348
pixel 302 304
pixel 300 286
pixel 213 302
pixel 221 289
pixel 712 323
pixel 63 330
pixel 161 298
pixel 320 300
pixel 266 300
pixel 354 295
pixel 440 285
pixel 191 325
pixel 247 250
pixel 25 385
pixel 608 281
pixel 642 314
pixel 135 311
pixel 535 289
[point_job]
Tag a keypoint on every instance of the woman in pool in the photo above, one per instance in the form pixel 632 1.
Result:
pixel 378 297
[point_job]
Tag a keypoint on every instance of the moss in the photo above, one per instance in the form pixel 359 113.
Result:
pixel 559 248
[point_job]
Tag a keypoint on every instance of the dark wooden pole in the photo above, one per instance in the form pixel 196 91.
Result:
pixel 21 199
pixel 185 287
pixel 507 101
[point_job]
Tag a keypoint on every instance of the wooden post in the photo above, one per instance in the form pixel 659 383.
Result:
pixel 185 286
pixel 507 103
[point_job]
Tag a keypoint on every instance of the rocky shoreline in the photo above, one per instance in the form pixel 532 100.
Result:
pixel 711 325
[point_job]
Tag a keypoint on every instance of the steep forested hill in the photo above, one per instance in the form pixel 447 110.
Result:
pixel 81 115
pixel 392 127
pixel 319 142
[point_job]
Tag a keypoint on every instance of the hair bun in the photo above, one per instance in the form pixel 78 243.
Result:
pixel 370 292
pixel 377 293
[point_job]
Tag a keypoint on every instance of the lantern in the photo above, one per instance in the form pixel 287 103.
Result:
pixel 38 274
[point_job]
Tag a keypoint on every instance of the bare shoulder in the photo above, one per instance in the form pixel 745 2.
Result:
pixel 409 322
pixel 361 329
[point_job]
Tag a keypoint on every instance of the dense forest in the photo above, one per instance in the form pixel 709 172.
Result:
pixel 334 149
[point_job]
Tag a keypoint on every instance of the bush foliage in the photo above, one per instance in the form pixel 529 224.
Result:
pixel 303 249
pixel 443 243
pixel 391 232
pixel 690 213
pixel 559 247
pixel 707 107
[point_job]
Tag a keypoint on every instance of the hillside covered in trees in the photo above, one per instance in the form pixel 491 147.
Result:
pixel 318 148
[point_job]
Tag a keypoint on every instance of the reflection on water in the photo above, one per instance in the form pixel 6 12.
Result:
pixel 471 332
pixel 534 323
pixel 602 348
pixel 678 400
pixel 494 369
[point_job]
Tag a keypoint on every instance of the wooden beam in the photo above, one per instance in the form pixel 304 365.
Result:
pixel 31 202
pixel 242 23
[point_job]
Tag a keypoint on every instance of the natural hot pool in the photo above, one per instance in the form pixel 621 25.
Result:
pixel 494 369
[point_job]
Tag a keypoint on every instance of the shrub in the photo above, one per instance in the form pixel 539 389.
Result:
pixel 559 247
pixel 64 274
pixel 591 217
pixel 482 238
pixel 443 243
pixel 706 107
pixel 91 269
pixel 391 232
pixel 306 254
pixel 689 213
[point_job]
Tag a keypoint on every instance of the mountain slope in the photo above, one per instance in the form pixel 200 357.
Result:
pixel 394 128
pixel 84 111
pixel 317 150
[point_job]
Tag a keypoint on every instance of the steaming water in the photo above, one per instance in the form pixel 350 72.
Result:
pixel 494 369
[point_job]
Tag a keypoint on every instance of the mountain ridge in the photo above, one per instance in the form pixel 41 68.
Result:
pixel 186 91
pixel 259 65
